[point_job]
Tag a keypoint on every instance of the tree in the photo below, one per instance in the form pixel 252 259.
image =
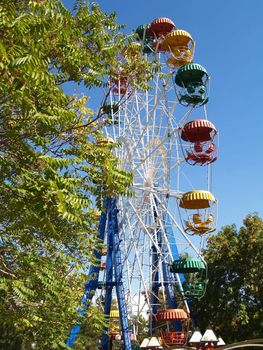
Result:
pixel 142 326
pixel 233 304
pixel 52 163
pixel 90 336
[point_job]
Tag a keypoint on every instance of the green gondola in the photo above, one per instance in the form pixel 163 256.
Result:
pixel 195 274
pixel 111 109
pixel 141 31
pixel 192 81
pixel 102 284
pixel 143 36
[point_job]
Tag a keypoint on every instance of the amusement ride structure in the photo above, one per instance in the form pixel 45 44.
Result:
pixel 153 264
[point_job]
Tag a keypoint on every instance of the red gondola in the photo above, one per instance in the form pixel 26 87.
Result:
pixel 169 336
pixel 160 27
pixel 200 134
pixel 119 82
pixel 120 85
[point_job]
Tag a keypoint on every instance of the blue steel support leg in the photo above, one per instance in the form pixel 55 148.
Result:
pixel 155 278
pixel 172 242
pixel 106 344
pixel 155 288
pixel 91 285
pixel 117 261
pixel 168 286
pixel 169 289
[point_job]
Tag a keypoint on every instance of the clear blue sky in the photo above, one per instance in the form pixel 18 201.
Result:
pixel 229 44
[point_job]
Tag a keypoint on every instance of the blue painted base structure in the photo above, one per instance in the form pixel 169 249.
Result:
pixel 113 269
pixel 92 283
pixel 117 262
pixel 106 344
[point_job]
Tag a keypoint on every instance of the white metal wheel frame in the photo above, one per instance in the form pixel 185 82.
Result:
pixel 147 126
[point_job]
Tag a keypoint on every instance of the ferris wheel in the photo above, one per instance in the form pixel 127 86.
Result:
pixel 155 237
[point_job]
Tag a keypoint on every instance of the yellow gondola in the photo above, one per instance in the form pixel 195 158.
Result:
pixel 181 46
pixel 114 314
pixel 114 328
pixel 105 141
pixel 202 221
pixel 132 51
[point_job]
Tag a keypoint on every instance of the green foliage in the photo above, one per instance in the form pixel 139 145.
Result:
pixel 91 331
pixel 51 166
pixel 233 304
pixel 142 327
